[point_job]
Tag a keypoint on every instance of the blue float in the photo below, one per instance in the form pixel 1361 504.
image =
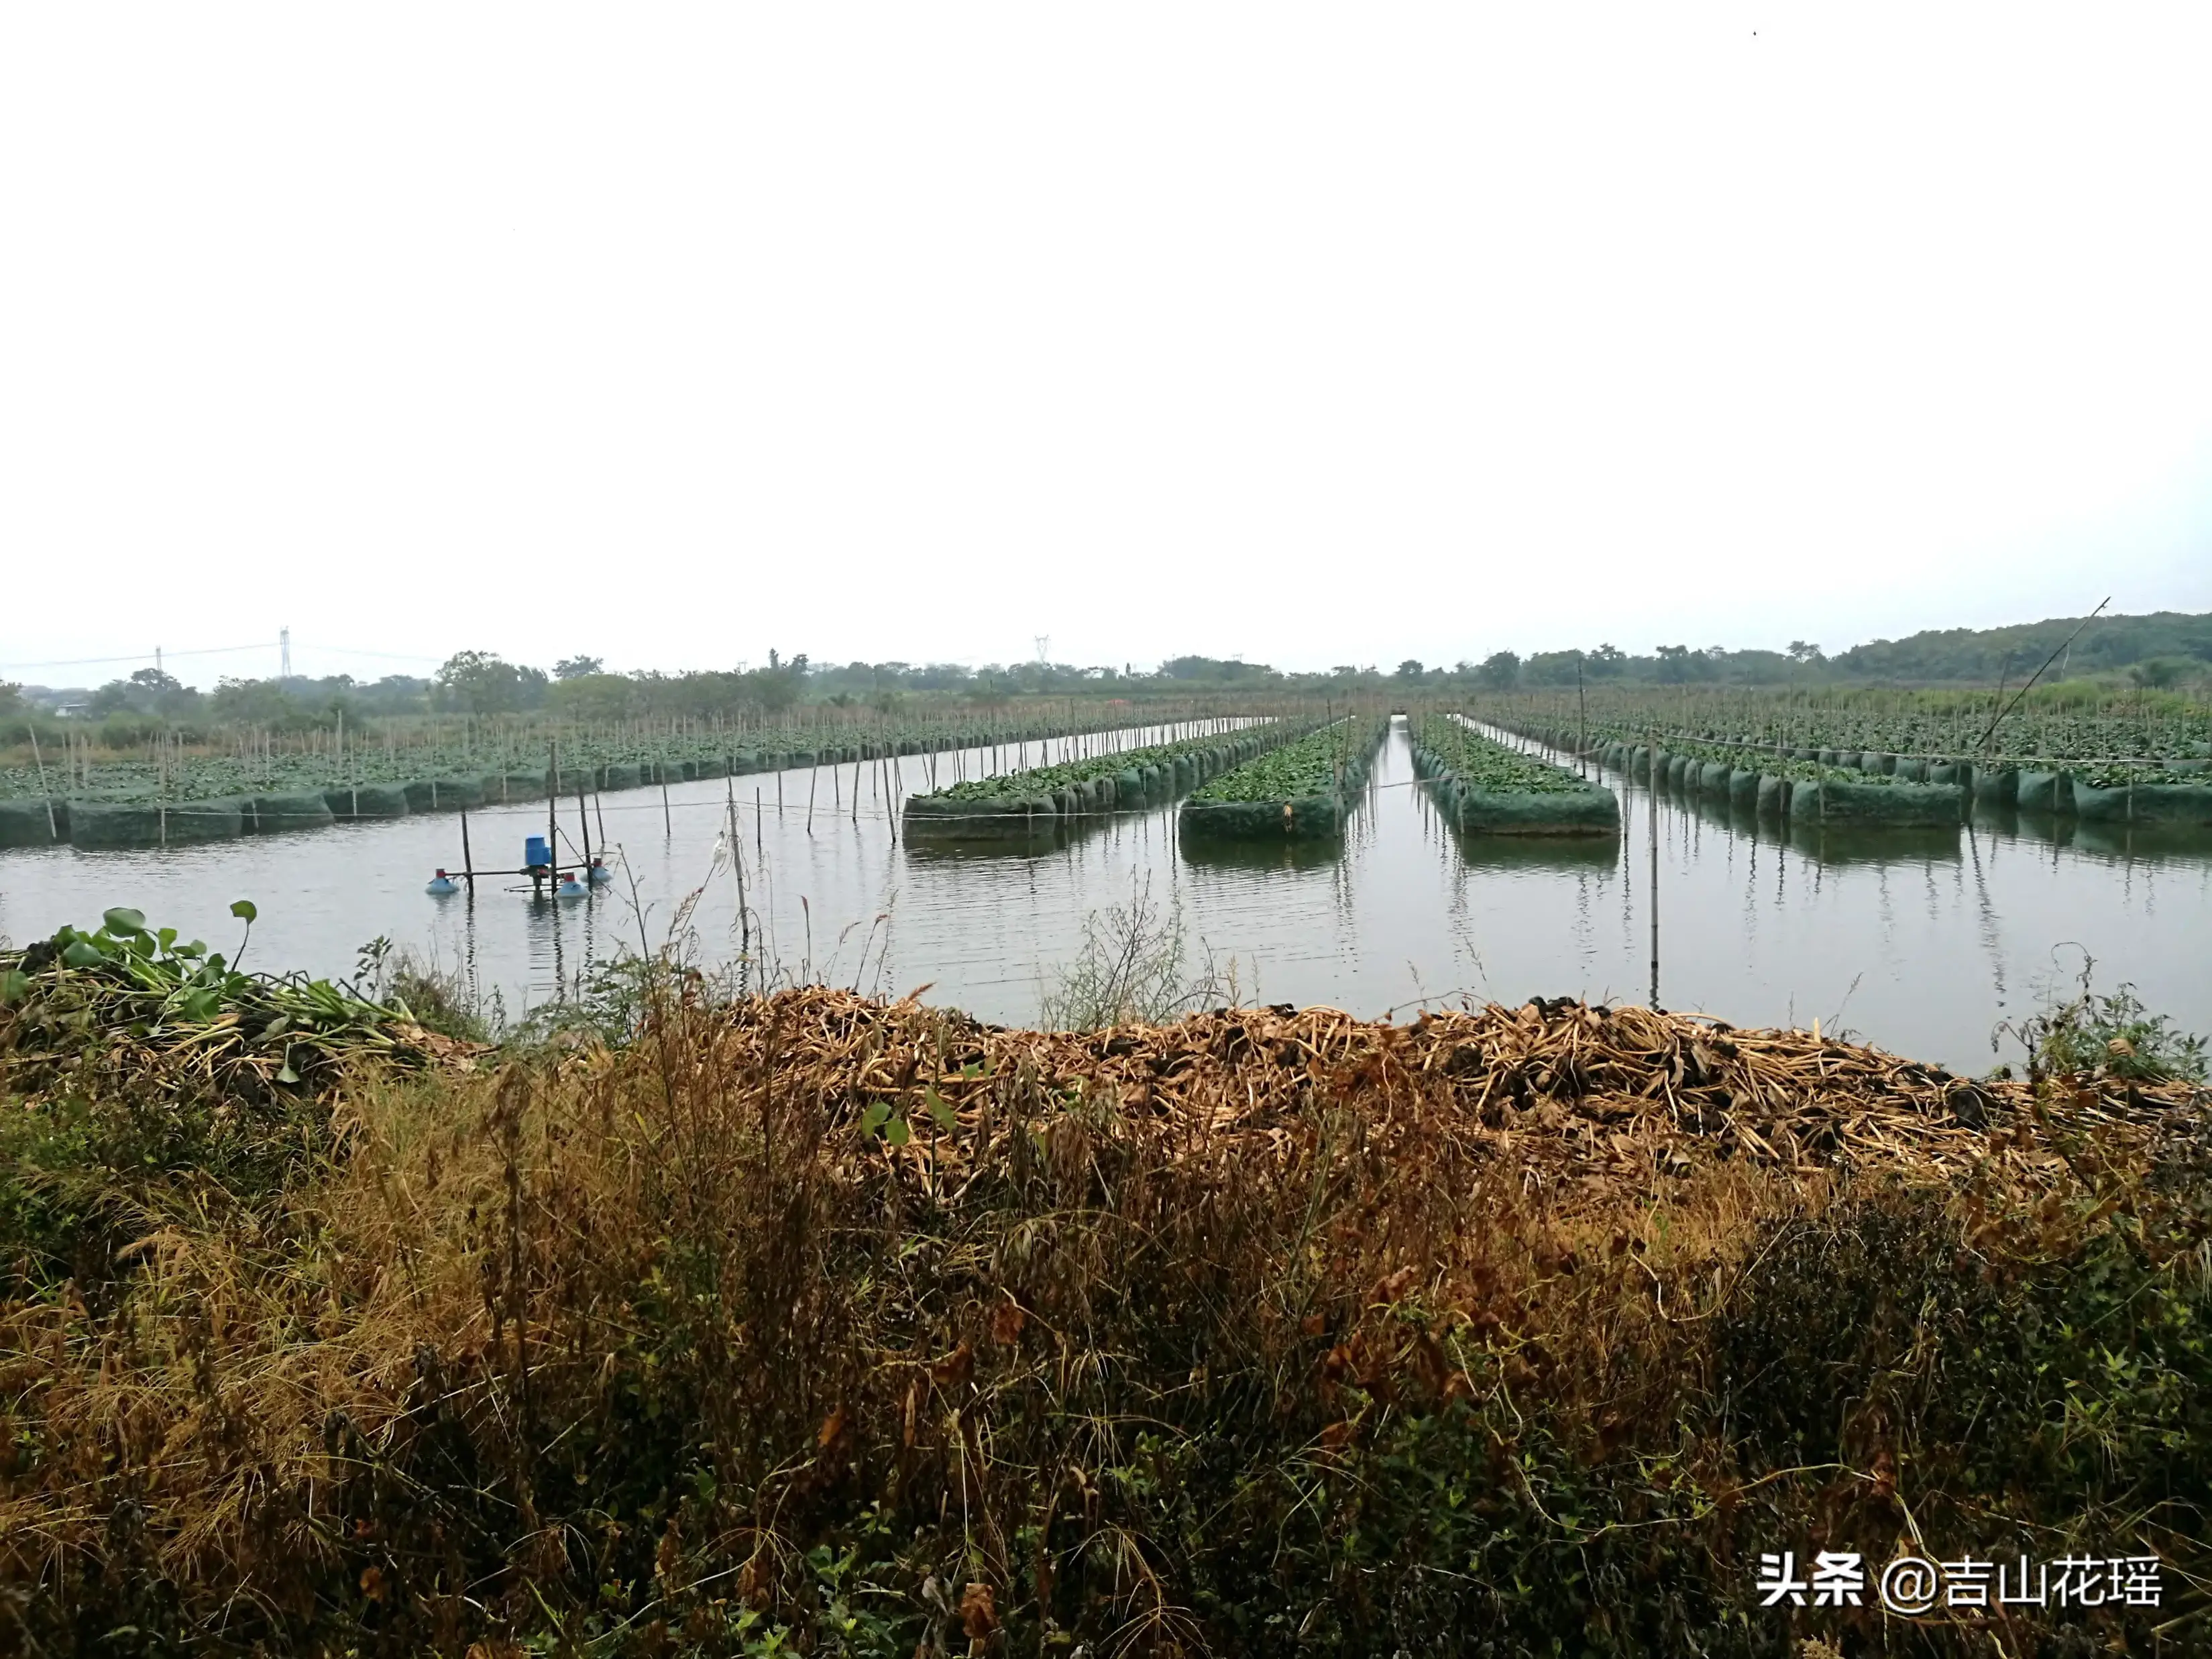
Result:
pixel 570 888
pixel 441 884
pixel 599 873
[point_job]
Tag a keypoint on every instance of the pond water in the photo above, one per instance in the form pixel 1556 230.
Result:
pixel 1921 943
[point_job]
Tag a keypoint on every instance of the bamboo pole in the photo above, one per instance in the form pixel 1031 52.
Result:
pixel 53 833
pixel 1651 803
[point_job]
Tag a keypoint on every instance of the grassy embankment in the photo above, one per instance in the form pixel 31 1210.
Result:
pixel 812 1323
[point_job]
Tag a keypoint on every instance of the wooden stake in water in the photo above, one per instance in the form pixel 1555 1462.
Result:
pixel 468 859
pixel 1581 709
pixel 738 867
pixel 52 834
pixel 1651 803
pixel 813 783
pixel 552 802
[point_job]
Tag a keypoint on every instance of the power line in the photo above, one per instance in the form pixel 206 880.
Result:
pixel 144 656
pixel 281 645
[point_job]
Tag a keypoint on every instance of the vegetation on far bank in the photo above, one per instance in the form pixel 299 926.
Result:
pixel 2164 652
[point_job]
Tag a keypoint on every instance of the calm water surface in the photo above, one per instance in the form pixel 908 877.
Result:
pixel 1921 943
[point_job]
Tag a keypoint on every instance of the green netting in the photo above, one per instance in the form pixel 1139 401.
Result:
pixel 1743 790
pixel 1773 795
pixel 202 820
pixel 1880 765
pixel 1713 777
pixel 367 800
pixel 2146 803
pixel 1832 801
pixel 2040 791
pixel 1678 773
pixel 1026 817
pixel 24 823
pixel 1997 786
pixel 515 786
pixel 1911 769
pixel 444 794
pixel 1956 772
pixel 114 824
pixel 266 815
pixel 1312 815
pixel 709 765
pixel 619 774
pixel 1552 812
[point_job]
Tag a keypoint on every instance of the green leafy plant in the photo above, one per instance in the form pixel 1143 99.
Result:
pixel 1316 764
pixel 1485 764
pixel 2109 1034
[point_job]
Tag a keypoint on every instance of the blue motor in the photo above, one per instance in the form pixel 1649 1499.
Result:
pixel 535 854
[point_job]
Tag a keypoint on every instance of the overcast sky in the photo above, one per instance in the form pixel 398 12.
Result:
pixel 1308 334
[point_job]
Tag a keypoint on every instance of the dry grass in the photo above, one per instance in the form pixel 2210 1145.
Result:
pixel 1119 1335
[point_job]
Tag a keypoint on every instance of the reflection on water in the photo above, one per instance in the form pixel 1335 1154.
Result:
pixel 1920 940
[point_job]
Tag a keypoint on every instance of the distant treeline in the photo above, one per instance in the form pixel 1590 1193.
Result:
pixel 2165 648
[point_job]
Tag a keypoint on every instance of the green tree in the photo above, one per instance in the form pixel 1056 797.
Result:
pixel 1500 671
pixel 778 686
pixel 594 697
pixel 482 683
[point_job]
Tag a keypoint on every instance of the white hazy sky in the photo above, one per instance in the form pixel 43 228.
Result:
pixel 1312 335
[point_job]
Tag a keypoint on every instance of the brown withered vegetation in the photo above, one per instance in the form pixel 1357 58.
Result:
pixel 816 1323
pixel 1581 1092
